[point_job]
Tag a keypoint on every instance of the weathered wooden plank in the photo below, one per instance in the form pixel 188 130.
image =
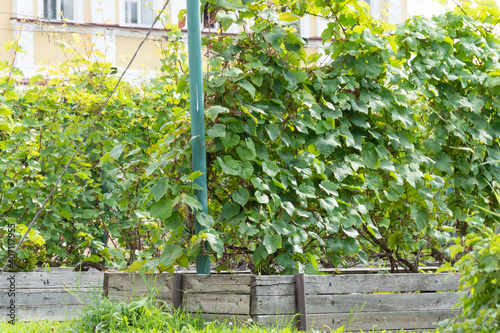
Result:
pixel 217 303
pixel 39 280
pixel 54 269
pixel 372 270
pixel 34 313
pixel 319 304
pixel 272 280
pixel 134 282
pixel 274 285
pixel 345 284
pixel 44 297
pixel 366 321
pixel 222 284
pixel 273 305
pixel 381 320
pixel 276 320
pixel 234 319
pixel 128 295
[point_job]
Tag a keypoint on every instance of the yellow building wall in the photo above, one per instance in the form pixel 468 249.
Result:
pixel 86 12
pixel 404 10
pixel 312 21
pixel 6 33
pixel 117 11
pixel 148 57
pixel 49 48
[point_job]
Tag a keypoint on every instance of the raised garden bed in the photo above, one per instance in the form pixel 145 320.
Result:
pixel 357 298
pixel 358 302
pixel 56 295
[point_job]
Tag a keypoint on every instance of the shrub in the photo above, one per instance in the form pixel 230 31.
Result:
pixel 480 269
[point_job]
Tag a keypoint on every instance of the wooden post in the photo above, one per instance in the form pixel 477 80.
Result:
pixel 177 290
pixel 300 302
pixel 105 284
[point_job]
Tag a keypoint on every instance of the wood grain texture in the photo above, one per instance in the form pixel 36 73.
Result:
pixel 125 296
pixel 217 303
pixel 346 284
pixel 274 285
pixel 46 280
pixel 319 304
pixel 57 295
pixel 46 297
pixel 365 321
pixel 372 270
pixel 381 320
pixel 221 284
pixel 240 319
pixel 37 312
pixel 134 284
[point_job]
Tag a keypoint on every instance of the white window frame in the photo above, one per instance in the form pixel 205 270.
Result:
pixel 78 11
pixel 175 7
pixel 305 26
pixel 157 4
pixel 395 16
pixel 321 25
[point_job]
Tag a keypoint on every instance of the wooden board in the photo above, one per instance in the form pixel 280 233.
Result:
pixel 371 270
pixel 240 319
pixel 276 320
pixel 222 284
pixel 365 321
pixel 217 303
pixel 34 313
pixel 133 284
pixel 55 295
pixel 274 285
pixel 125 296
pixel 364 283
pixel 46 297
pixel 46 280
pixel 346 284
pixel 319 304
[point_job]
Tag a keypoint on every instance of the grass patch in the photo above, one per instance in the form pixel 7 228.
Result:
pixel 187 325
pixel 178 323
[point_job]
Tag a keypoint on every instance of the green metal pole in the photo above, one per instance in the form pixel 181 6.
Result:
pixel 197 118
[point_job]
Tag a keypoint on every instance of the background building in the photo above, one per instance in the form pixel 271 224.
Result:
pixel 49 30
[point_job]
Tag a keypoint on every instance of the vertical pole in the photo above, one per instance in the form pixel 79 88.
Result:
pixel 197 119
pixel 300 302
pixel 103 191
pixel 177 290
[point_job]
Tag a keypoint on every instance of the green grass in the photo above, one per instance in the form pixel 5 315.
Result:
pixel 181 323
pixel 187 325
pixel 138 316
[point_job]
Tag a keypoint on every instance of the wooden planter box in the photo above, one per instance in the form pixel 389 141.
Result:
pixel 57 295
pixel 357 302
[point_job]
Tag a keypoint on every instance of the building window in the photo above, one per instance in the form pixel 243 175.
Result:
pixel 138 12
pixel 59 9
pixel 374 8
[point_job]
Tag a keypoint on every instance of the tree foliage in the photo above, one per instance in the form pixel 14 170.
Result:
pixel 375 149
